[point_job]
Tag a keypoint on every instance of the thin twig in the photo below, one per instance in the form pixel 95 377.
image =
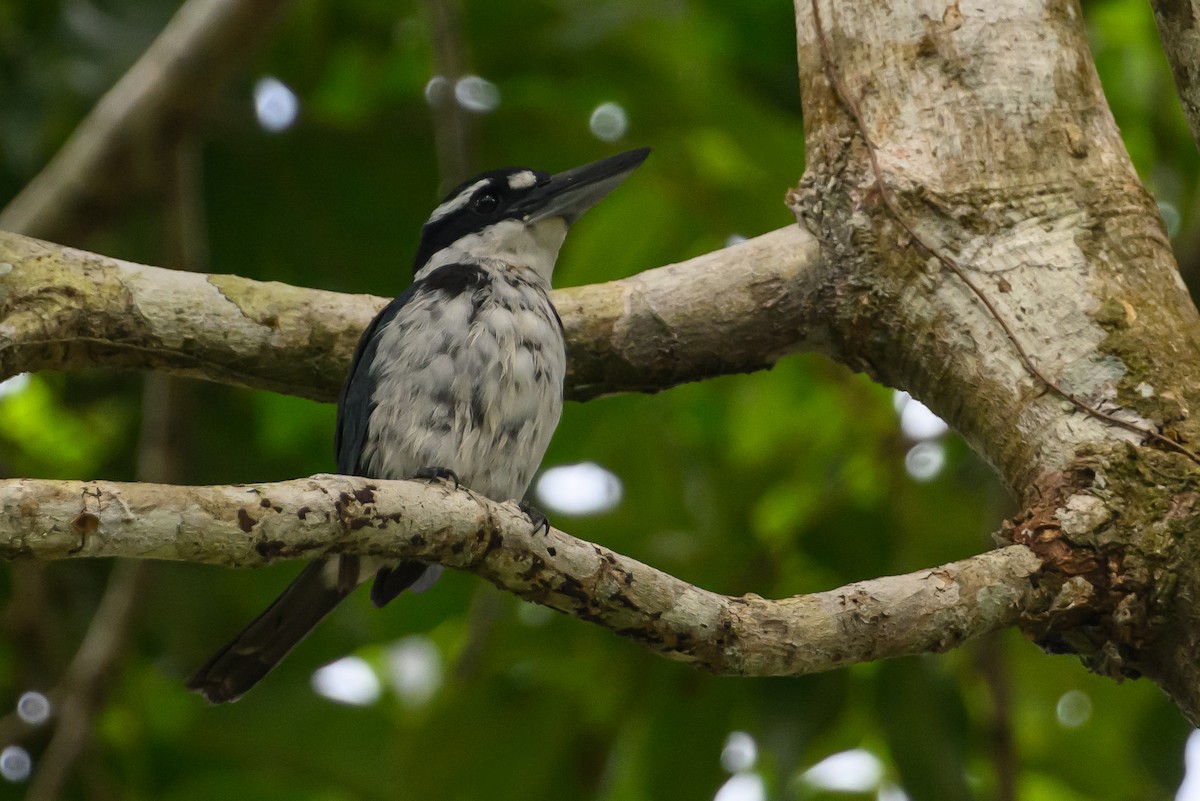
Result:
pixel 991 664
pixel 87 680
pixel 950 264
pixel 452 128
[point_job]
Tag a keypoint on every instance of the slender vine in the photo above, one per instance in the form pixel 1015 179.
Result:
pixel 954 267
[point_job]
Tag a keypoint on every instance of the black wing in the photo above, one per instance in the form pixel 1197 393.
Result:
pixel 354 402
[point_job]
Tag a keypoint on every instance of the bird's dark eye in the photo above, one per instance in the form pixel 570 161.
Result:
pixel 485 203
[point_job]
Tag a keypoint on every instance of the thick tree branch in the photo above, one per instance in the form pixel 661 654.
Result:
pixel 1179 28
pixel 119 149
pixel 733 310
pixel 250 525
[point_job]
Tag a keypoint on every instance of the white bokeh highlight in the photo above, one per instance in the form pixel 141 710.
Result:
pixel 890 792
pixel 579 489
pixel 15 763
pixel 350 680
pixel 33 708
pixel 608 122
pixel 925 460
pixel 920 424
pixel 414 669
pixel 1073 709
pixel 742 787
pixel 739 753
pixel 854 771
pixel 275 105
pixel 477 94
pixel 15 385
pixel 1189 788
pixel 437 90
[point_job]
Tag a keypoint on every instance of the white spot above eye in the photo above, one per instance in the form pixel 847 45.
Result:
pixel 522 180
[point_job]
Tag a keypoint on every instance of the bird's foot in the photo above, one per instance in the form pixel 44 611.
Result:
pixel 432 474
pixel 536 516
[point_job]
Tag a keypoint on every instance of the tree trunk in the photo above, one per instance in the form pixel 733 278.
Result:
pixel 1002 169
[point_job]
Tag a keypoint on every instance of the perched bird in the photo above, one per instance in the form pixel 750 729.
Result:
pixel 459 377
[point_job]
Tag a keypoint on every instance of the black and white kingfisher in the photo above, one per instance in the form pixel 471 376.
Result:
pixel 461 376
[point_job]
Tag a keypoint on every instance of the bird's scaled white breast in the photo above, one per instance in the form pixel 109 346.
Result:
pixel 474 384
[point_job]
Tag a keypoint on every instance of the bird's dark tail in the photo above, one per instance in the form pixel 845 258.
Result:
pixel 258 648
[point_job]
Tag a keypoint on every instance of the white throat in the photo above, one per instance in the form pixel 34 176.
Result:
pixel 526 246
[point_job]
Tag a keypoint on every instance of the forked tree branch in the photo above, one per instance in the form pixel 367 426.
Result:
pixel 253 524
pixel 733 310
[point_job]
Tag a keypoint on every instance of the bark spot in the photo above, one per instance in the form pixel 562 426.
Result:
pixel 85 524
pixel 245 521
pixel 573 589
pixel 269 549
pixel 535 566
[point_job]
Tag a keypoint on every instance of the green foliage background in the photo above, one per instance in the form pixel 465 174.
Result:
pixel 776 483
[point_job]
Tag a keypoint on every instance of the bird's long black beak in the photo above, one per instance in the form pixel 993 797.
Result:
pixel 569 194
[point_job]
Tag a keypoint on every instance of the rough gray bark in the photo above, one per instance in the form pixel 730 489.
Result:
pixel 253 524
pixel 998 151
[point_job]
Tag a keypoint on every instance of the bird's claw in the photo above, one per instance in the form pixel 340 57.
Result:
pixel 432 474
pixel 536 516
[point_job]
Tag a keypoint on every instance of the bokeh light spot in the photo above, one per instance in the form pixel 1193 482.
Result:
pixel 15 385
pixel 579 489
pixel 1074 709
pixel 854 771
pixel 740 752
pixel 415 669
pixel 275 104
pixel 349 680
pixel 476 94
pixel 609 122
pixel 925 460
pixel 742 787
pixel 33 708
pixel 437 90
pixel 15 763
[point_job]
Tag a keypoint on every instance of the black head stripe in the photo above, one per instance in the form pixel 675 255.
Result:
pixel 459 214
